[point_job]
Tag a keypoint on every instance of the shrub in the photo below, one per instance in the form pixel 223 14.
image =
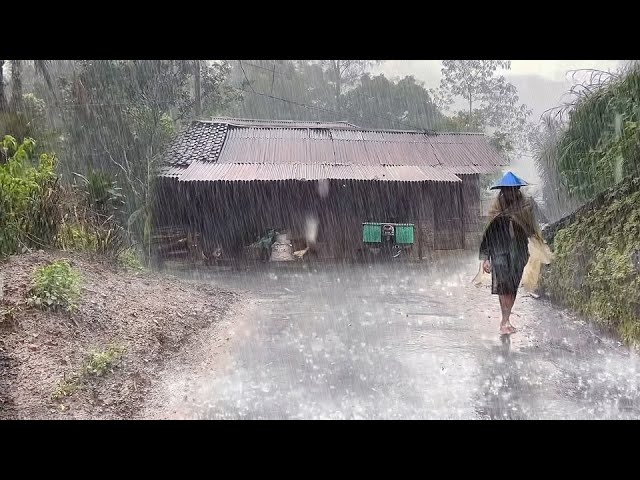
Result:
pixel 56 286
pixel 91 219
pixel 596 267
pixel 99 362
pixel 76 236
pixel 129 258
pixel 66 388
pixel 29 214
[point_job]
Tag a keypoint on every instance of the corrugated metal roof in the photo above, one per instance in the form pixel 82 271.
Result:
pixel 246 172
pixel 281 142
pixel 269 146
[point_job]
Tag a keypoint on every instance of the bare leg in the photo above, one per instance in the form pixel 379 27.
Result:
pixel 506 304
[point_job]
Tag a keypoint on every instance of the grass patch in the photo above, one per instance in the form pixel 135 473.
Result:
pixel 100 362
pixel 8 313
pixel 97 364
pixel 56 287
pixel 129 259
pixel 66 388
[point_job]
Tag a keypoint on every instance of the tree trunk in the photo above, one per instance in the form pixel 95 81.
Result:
pixel 16 85
pixel 3 99
pixel 197 90
pixel 339 96
pixel 338 87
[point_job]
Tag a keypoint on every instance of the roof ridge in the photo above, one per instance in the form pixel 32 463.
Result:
pixel 276 120
pixel 323 126
pixel 259 122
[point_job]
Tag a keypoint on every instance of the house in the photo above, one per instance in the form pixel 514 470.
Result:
pixel 230 180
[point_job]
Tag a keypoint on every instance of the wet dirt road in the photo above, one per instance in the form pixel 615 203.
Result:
pixel 402 341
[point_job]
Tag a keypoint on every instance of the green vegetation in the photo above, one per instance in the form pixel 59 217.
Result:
pixel 599 143
pixel 56 287
pixel 7 313
pixel 66 387
pixel 594 157
pixel 97 364
pixel 28 197
pixel 596 269
pixel 93 216
pixel 100 362
pixel 129 258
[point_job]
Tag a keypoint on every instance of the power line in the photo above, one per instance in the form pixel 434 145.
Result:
pixel 362 95
pixel 67 105
pixel 389 119
pixel 273 76
pixel 253 91
pixel 245 76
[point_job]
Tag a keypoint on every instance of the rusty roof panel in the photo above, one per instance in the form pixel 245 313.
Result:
pixel 349 152
pixel 427 153
pixel 466 154
pixel 320 151
pixel 377 154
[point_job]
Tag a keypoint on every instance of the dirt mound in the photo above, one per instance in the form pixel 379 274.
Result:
pixel 132 322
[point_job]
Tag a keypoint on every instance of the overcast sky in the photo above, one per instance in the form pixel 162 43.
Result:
pixel 555 70
pixel 541 83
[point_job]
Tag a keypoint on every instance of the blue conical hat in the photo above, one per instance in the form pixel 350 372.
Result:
pixel 510 180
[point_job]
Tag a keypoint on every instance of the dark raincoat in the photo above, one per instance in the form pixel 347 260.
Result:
pixel 505 243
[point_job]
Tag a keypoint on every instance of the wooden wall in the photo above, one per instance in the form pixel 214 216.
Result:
pixel 235 214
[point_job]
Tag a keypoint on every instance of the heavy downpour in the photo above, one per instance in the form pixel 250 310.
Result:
pixel 328 239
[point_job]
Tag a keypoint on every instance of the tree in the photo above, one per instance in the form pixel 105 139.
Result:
pixel 492 102
pixel 210 92
pixel 3 98
pixel 344 74
pixel 15 116
pixel 197 91
pixel 16 85
pixel 378 102
pixel 316 89
pixel 15 105
pixel 28 196
pixel 279 90
pixel 118 115
pixel 473 80
pixel 303 90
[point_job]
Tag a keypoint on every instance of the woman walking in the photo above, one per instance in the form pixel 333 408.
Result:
pixel 504 250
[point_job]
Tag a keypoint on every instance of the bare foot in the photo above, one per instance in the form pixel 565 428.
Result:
pixel 507 329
